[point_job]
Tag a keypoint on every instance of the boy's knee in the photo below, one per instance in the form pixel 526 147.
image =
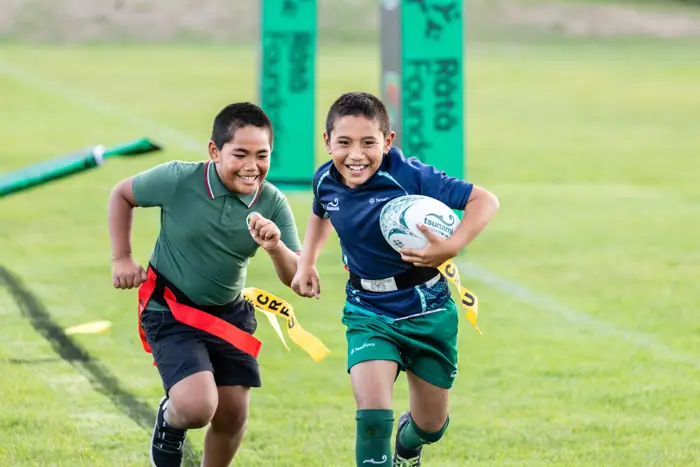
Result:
pixel 372 401
pixel 191 412
pixel 373 383
pixel 232 411
pixel 432 430
pixel 435 425
pixel 229 421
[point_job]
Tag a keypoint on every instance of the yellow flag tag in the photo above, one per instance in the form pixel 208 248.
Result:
pixel 275 325
pixel 94 327
pixel 467 298
pixel 269 303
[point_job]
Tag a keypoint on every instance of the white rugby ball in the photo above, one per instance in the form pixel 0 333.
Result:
pixel 400 217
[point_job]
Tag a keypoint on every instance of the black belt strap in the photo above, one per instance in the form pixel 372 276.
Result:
pixel 162 282
pixel 405 280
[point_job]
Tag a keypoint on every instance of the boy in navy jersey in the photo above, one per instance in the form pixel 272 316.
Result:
pixel 410 322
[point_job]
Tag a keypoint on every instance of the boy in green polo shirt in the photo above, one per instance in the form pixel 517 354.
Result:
pixel 214 217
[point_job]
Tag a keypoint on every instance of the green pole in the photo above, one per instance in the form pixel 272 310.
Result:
pixel 427 36
pixel 53 169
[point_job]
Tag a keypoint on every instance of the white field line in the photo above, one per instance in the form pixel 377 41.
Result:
pixel 548 304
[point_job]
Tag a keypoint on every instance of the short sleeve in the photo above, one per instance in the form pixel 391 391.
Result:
pixel 317 206
pixel 284 219
pixel 452 191
pixel 156 186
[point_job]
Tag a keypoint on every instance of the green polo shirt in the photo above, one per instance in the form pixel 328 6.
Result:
pixel 204 245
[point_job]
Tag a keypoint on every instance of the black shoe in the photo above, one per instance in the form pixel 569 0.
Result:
pixel 405 457
pixel 167 443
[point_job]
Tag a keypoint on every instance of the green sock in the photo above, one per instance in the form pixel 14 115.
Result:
pixel 373 442
pixel 412 436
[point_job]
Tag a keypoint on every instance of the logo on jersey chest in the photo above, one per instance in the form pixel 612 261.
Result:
pixel 378 200
pixel 333 205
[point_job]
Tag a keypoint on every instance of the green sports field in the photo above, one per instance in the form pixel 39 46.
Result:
pixel 587 278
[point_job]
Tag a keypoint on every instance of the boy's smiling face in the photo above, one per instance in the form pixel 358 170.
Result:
pixel 243 162
pixel 357 146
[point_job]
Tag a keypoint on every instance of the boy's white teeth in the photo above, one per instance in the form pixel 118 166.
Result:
pixel 357 168
pixel 248 179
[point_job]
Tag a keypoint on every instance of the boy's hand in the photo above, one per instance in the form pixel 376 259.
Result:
pixel 306 282
pixel 264 232
pixel 436 252
pixel 127 273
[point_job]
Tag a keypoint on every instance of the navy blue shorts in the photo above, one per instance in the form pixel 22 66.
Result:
pixel 180 350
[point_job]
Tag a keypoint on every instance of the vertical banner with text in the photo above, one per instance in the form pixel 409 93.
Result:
pixel 432 83
pixel 390 50
pixel 287 86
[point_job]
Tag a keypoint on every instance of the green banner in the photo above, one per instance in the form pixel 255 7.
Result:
pixel 287 86
pixel 390 51
pixel 432 83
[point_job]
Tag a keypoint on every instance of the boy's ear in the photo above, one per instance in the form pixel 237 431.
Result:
pixel 388 141
pixel 213 152
pixel 327 139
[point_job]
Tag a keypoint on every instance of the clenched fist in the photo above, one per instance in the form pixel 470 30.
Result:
pixel 264 232
pixel 127 273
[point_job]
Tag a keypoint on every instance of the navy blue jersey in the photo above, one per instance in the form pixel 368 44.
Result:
pixel 354 213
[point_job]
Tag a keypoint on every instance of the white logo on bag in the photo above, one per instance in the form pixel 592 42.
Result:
pixel 372 461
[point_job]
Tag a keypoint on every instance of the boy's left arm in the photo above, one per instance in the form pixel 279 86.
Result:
pixel 279 237
pixel 285 261
pixel 479 206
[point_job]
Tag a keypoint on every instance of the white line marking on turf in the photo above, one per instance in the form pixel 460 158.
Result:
pixel 513 289
pixel 543 302
pixel 51 87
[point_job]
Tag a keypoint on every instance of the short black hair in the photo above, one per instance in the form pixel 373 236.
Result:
pixel 235 116
pixel 359 104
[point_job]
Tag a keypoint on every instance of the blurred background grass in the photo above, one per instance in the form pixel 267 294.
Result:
pixel 580 116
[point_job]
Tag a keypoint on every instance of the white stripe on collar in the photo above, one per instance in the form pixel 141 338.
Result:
pixel 208 180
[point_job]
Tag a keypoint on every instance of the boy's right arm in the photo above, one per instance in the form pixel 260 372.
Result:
pixel 154 187
pixel 126 273
pixel 306 281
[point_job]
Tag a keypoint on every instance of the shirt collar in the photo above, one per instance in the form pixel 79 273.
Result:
pixel 216 188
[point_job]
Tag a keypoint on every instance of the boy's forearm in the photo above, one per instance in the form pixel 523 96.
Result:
pixel 477 214
pixel 120 213
pixel 285 261
pixel 317 232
